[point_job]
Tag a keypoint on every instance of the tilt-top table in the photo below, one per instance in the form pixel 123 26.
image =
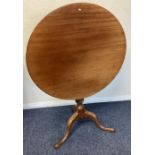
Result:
pixel 73 53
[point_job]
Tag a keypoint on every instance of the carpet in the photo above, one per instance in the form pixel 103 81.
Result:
pixel 42 128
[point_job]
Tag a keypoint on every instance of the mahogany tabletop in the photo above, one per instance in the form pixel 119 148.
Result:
pixel 76 51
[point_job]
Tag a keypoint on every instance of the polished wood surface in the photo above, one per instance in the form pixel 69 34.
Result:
pixel 76 51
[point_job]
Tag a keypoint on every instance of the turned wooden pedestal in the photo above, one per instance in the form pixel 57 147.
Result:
pixel 75 52
pixel 81 113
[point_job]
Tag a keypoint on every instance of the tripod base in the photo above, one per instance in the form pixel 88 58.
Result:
pixel 80 113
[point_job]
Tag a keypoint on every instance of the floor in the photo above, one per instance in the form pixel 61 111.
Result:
pixel 44 127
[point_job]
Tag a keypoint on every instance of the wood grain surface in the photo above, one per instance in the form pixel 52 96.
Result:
pixel 76 51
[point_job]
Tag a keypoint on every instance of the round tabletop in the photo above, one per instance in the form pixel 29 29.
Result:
pixel 76 51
